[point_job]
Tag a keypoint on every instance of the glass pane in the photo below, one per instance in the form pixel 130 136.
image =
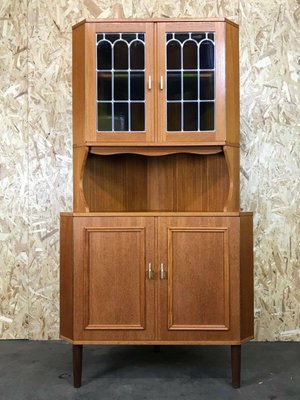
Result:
pixel 207 117
pixel 121 86
pixel 104 117
pixel 99 36
pixel 198 36
pixel 173 55
pixel 174 116
pixel 173 85
pixel 129 37
pixel 121 116
pixel 190 51
pixel 104 50
pixel 112 37
pixel 137 86
pixel 211 36
pixel 207 82
pixel 137 56
pixel 141 36
pixel 169 36
pixel 104 86
pixel 190 86
pixel 137 116
pixel 121 55
pixel 206 55
pixel 181 36
pixel 190 116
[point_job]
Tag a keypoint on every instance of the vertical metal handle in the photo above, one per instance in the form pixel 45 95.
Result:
pixel 163 273
pixel 161 83
pixel 149 82
pixel 149 272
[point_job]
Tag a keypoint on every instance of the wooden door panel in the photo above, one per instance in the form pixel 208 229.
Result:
pixel 114 300
pixel 198 291
pixel 196 301
pixel 115 278
pixel 188 109
pixel 120 108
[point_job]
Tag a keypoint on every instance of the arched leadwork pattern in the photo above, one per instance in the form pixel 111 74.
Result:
pixel 190 65
pixel 120 82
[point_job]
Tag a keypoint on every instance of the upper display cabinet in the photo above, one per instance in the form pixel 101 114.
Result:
pixel 155 82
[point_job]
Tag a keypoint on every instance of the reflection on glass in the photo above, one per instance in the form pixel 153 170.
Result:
pixel 104 86
pixel 174 116
pixel 173 55
pixel 137 56
pixel 181 36
pixel 121 55
pixel 104 117
pixel 173 85
pixel 190 51
pixel 206 55
pixel 137 116
pixel 198 36
pixel 104 55
pixel 190 90
pixel 121 86
pixel 190 120
pixel 112 37
pixel 207 116
pixel 190 93
pixel 128 36
pixel 137 86
pixel 121 116
pixel 121 82
pixel 207 82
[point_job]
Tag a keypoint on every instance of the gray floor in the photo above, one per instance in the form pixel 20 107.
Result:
pixel 42 370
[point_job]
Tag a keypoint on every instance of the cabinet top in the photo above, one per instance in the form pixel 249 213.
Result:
pixel 134 20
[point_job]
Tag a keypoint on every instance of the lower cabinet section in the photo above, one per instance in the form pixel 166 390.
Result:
pixel 156 279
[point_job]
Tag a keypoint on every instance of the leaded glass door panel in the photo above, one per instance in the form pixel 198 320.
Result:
pixel 191 82
pixel 120 74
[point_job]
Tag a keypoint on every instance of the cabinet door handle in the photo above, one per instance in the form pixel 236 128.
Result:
pixel 149 272
pixel 163 274
pixel 161 83
pixel 149 82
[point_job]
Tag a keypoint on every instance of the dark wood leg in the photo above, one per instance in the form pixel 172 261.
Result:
pixel 156 348
pixel 77 365
pixel 236 365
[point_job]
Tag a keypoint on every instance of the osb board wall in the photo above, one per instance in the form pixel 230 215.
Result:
pixel 36 157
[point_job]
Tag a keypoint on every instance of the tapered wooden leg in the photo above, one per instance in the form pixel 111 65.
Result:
pixel 77 365
pixel 236 365
pixel 156 348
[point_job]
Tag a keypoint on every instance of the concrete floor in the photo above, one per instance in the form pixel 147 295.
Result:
pixel 42 371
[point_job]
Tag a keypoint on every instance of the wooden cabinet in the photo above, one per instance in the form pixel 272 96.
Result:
pixel 156 82
pixel 156 250
pixel 156 279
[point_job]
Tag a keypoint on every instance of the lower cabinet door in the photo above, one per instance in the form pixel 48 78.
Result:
pixel 114 293
pixel 199 278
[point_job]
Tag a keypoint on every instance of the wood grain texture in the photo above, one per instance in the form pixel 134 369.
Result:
pixel 181 182
pixel 246 277
pixel 216 326
pixel 198 272
pixel 66 277
pixel 80 155
pixel 114 291
pixel 129 318
pixel 232 84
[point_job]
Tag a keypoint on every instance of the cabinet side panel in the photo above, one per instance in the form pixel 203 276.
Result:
pixel 232 85
pixel 246 277
pixel 66 277
pixel 78 83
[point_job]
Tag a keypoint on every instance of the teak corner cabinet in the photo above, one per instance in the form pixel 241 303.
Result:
pixel 156 250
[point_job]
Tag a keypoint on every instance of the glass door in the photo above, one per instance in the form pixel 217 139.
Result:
pixel 191 82
pixel 122 80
